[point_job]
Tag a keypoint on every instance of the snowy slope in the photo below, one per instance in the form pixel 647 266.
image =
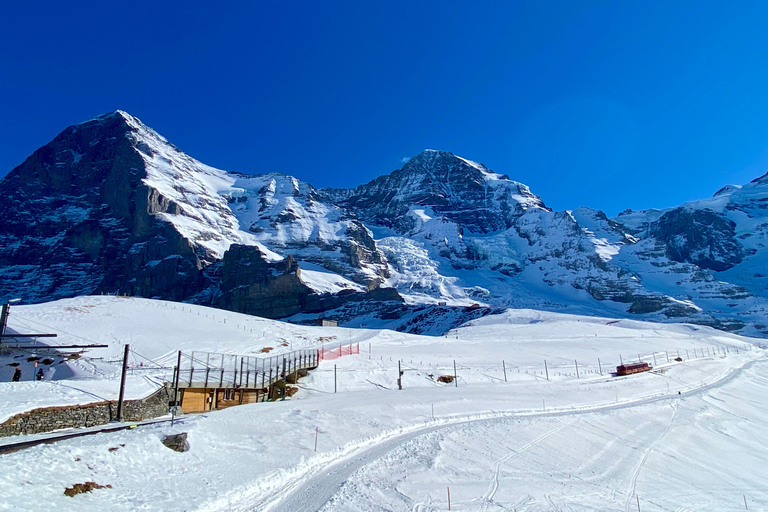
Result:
pixel 506 437
pixel 110 206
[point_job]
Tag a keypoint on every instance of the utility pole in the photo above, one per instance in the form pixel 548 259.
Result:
pixel 122 384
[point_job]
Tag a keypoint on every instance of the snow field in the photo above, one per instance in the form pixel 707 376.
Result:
pixel 585 443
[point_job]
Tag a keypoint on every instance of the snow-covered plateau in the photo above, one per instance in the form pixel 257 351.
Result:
pixel 509 434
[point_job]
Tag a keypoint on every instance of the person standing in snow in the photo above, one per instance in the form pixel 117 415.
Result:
pixel 17 375
pixel 40 374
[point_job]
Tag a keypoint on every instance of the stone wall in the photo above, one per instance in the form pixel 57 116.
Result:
pixel 47 419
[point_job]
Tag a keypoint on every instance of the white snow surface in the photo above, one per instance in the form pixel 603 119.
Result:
pixel 510 436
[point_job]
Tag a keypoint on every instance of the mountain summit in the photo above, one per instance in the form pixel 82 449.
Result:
pixel 110 206
pixel 461 190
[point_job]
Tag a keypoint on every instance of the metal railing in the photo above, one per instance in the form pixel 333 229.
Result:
pixel 212 370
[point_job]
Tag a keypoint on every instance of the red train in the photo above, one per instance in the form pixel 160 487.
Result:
pixel 626 369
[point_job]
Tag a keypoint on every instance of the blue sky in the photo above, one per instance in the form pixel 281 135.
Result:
pixel 610 105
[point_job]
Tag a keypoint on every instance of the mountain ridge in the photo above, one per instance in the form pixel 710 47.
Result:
pixel 110 206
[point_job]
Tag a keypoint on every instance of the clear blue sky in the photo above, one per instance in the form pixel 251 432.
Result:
pixel 611 105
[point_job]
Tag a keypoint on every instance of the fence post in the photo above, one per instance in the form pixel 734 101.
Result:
pixel 546 370
pixel 577 368
pixel 176 383
pixel 599 366
pixel 504 367
pixel 334 378
pixel 122 383
pixel 455 376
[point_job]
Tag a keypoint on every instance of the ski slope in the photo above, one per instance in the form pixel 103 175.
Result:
pixel 537 440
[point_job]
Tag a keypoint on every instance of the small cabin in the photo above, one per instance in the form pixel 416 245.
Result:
pixel 327 322
pixel 627 369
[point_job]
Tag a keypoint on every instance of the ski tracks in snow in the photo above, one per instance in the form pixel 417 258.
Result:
pixel 487 499
pixel 644 458
pixel 312 490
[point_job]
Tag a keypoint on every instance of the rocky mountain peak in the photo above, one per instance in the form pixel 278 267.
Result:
pixel 440 165
pixel 459 190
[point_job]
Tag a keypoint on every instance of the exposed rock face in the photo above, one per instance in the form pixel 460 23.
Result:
pixel 462 191
pixel 701 237
pixel 79 219
pixel 251 285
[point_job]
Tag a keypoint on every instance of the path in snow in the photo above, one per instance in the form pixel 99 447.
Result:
pixel 313 493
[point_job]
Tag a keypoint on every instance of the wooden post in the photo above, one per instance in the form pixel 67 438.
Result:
pixel 599 366
pixel 745 501
pixel 546 370
pixel 577 368
pixel 449 498
pixel 638 502
pixel 504 367
pixel 176 386
pixel 455 376
pixel 399 376
pixel 620 360
pixel 334 378
pixel 4 318
pixel 317 429
pixel 122 384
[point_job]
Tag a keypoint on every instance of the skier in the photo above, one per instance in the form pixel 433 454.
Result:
pixel 17 375
pixel 40 374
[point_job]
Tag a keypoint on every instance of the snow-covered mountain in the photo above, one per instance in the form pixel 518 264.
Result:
pixel 111 206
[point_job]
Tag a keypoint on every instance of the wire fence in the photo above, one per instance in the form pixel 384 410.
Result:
pixel 212 370
pixel 562 368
